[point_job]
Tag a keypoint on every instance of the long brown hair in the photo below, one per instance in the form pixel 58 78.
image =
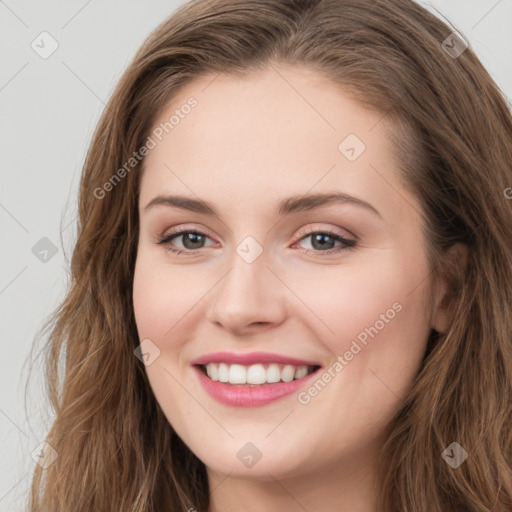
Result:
pixel 452 134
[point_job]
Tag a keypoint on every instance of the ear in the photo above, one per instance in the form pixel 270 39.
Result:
pixel 454 260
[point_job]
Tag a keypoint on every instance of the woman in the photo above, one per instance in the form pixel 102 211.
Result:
pixel 218 357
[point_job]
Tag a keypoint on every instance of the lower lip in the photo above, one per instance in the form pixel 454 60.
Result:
pixel 238 395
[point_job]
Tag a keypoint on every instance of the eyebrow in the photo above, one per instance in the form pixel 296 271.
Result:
pixel 286 206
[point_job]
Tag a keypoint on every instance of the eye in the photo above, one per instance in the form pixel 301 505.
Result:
pixel 322 241
pixel 191 242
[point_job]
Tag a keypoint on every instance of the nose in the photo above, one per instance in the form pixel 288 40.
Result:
pixel 249 297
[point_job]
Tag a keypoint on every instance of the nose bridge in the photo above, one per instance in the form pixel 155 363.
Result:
pixel 244 295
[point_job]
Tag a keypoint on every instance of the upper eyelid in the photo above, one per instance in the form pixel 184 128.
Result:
pixel 309 230
pixel 180 231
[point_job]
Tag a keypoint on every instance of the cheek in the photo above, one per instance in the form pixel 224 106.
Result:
pixel 162 296
pixel 161 300
pixel 375 328
pixel 376 317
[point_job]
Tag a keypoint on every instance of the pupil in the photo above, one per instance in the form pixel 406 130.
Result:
pixel 317 237
pixel 193 238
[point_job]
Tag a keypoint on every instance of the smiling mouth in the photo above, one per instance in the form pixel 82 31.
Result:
pixel 256 374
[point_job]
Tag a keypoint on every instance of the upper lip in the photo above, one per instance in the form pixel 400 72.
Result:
pixel 250 358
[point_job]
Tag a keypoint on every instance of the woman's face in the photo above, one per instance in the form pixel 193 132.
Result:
pixel 267 290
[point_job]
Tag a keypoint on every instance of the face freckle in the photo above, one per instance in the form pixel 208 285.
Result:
pixel 254 280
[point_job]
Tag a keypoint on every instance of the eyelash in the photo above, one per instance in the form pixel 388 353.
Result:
pixel 347 244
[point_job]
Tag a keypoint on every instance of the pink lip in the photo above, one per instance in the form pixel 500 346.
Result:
pixel 240 395
pixel 250 358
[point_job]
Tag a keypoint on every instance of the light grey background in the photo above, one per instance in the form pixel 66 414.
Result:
pixel 49 109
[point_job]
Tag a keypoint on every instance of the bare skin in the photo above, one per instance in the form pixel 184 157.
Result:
pixel 247 145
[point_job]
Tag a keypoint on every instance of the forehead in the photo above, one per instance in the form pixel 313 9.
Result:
pixel 277 132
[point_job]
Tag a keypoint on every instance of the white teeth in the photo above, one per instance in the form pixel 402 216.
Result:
pixel 223 372
pixel 237 374
pixel 273 373
pixel 287 373
pixel 301 371
pixel 255 374
pixel 214 372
